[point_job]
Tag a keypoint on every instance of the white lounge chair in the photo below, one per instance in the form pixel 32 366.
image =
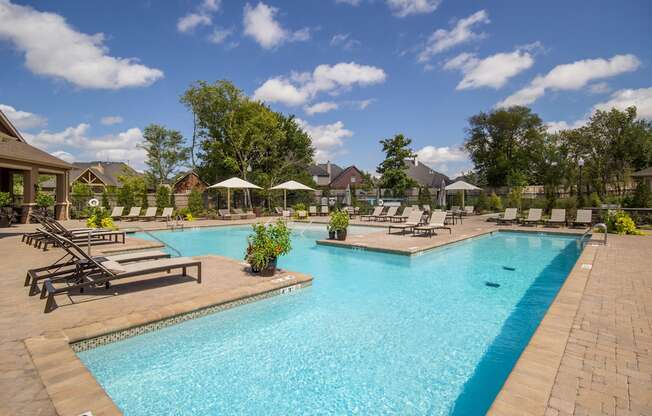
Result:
pixel 384 216
pixel 150 214
pixel 166 215
pixel 404 215
pixel 533 217
pixel 509 216
pixel 116 214
pixel 134 214
pixel 376 212
pixel 414 220
pixel 583 218
pixel 437 220
pixel 324 210
pixel 312 210
pixel 557 217
pixel 469 210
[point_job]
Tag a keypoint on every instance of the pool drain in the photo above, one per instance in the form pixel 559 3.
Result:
pixel 492 284
pixel 511 269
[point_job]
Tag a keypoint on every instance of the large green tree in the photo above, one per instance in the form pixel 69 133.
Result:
pixel 393 169
pixel 166 153
pixel 503 144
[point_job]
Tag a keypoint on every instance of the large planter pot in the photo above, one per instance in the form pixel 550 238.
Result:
pixel 331 235
pixel 266 271
pixel 341 235
pixel 4 221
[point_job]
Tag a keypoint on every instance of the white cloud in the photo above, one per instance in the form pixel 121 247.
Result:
pixel 573 76
pixel 111 120
pixel 300 88
pixel 344 41
pixel 349 2
pixel 322 107
pixel 621 99
pixel 444 159
pixel 327 139
pixel 260 24
pixel 403 8
pixel 492 71
pixel 442 39
pixel 65 156
pixel 556 126
pixel 23 120
pixel 54 48
pixel 202 16
pixel 219 35
pixel 363 104
pixel 599 88
pixel 76 143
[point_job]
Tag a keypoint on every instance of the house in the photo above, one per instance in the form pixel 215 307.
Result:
pixel 350 176
pixel 17 157
pixel 100 175
pixel 324 173
pixel 188 181
pixel 645 174
pixel 424 175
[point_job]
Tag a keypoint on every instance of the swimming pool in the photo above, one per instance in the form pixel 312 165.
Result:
pixel 375 334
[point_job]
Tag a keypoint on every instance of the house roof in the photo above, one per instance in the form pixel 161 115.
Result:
pixel 317 170
pixel 338 181
pixel 643 173
pixel 107 172
pixel 424 175
pixel 185 175
pixel 14 147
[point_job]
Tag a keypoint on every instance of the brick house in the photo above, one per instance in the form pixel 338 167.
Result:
pixel 187 182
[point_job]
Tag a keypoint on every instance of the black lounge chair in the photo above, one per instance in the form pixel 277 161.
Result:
pixel 95 236
pixel 73 263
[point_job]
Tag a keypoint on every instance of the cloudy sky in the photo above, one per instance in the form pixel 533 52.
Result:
pixel 82 79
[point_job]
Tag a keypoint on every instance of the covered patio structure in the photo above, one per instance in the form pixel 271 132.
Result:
pixel 17 157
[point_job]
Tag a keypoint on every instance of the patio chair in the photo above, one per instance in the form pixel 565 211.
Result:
pixel 376 212
pixel 557 217
pixel 583 218
pixel 278 210
pixel 104 273
pixel 509 217
pixel 413 220
pixel 224 214
pixel 73 262
pixel 404 215
pixel 302 215
pixel 134 214
pixel 242 214
pixel 82 235
pixel 385 216
pixel 324 210
pixel 150 214
pixel 533 217
pixel 312 210
pixel 469 210
pixel 166 215
pixel 426 208
pixel 437 220
pixel 455 208
pixel 116 214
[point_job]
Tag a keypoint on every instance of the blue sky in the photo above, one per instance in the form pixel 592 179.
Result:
pixel 82 79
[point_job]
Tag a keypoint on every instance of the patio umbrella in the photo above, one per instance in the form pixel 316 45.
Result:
pixel 291 186
pixel 347 197
pixel 234 183
pixel 442 195
pixel 462 186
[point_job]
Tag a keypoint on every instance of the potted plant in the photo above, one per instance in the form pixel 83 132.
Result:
pixel 44 201
pixel 5 216
pixel 339 222
pixel 266 244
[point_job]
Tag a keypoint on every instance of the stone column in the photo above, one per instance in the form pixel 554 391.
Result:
pixel 62 205
pixel 30 182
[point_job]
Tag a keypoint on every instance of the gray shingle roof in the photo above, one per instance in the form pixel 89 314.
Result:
pixel 424 175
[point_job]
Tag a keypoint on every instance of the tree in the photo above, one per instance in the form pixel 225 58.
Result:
pixel 393 169
pixel 245 138
pixel 195 202
pixel 163 196
pixel 133 191
pixel 165 152
pixel 503 145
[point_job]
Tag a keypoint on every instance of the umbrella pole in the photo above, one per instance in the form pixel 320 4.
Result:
pixel 228 199
pixel 462 199
pixel 285 199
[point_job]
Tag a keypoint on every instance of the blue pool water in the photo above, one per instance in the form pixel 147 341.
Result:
pixel 375 334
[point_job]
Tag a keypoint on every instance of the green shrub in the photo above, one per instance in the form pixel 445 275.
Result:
pixel 339 221
pixel 620 222
pixel 594 200
pixel 44 200
pixel 105 200
pixel 299 207
pixel 495 203
pixel 642 196
pixel 195 202
pixel 267 243
pixel 482 202
pixel 5 199
pixel 515 197
pixel 99 218
pixel 162 196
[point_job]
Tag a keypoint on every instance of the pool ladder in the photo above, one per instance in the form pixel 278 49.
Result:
pixel 602 226
pixel 177 252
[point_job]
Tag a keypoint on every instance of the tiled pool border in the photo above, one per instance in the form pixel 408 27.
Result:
pixel 94 342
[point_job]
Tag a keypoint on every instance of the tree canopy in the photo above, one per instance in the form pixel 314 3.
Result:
pixel 166 153
pixel 393 169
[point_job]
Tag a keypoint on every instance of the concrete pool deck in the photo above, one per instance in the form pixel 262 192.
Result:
pixel 590 355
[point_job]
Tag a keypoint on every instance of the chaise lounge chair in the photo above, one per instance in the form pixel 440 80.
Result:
pixel 557 217
pixel 469 210
pixel 134 214
pixel 404 215
pixel 248 215
pixel 437 220
pixel 509 217
pixel 73 263
pixel 150 214
pixel 166 215
pixel 324 210
pixel 81 235
pixel 386 216
pixel 116 214
pixel 104 273
pixel 225 214
pixel 533 217
pixel 376 212
pixel 414 220
pixel 312 210
pixel 583 218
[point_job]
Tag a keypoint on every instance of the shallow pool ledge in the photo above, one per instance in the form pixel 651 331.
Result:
pixel 72 388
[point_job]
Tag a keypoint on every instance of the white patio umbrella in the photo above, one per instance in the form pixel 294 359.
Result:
pixel 347 196
pixel 442 195
pixel 462 186
pixel 290 186
pixel 234 183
